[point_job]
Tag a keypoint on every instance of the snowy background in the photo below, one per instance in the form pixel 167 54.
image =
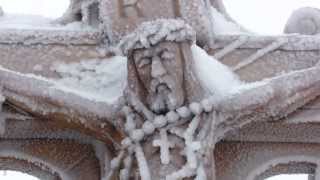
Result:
pixel 12 175
pixel 47 8
pixel 265 16
pixel 260 16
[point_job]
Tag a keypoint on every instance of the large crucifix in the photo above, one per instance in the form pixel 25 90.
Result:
pixel 162 83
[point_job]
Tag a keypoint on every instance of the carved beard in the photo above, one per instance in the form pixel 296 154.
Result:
pixel 164 95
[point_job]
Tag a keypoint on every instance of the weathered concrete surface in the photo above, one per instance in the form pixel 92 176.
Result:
pixel 277 132
pixel 299 52
pixel 304 121
pixel 241 160
pixel 291 168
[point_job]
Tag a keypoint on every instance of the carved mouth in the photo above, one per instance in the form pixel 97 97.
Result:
pixel 160 98
pixel 162 87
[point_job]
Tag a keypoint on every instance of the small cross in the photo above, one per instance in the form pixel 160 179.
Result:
pixel 164 145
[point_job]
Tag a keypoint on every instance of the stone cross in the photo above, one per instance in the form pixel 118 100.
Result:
pixel 121 17
pixel 164 145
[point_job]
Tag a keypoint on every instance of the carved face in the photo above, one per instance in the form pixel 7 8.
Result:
pixel 160 71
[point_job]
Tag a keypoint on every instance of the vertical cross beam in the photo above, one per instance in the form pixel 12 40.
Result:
pixel 176 8
pixel 125 5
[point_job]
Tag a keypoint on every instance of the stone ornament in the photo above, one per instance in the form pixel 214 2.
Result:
pixel 304 21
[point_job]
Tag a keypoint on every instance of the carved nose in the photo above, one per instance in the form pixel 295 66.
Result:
pixel 157 69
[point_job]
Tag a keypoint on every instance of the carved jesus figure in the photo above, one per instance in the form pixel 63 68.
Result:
pixel 160 75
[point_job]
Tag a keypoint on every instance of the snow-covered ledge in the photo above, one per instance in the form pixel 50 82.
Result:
pixel 41 36
pixel 254 175
pixel 30 29
pixel 295 42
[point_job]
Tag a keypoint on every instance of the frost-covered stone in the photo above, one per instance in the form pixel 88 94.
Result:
pixel 164 144
pixel 154 32
pixel 184 112
pixel 196 108
pixel 142 163
pixel 304 21
pixel 148 127
pixel 160 121
pixel 137 135
pixel 165 87
pixel 167 78
pixel 207 105
pixel 126 142
pixel 125 173
pixel 172 117
pixel 86 11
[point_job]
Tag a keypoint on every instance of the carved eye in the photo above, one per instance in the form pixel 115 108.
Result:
pixel 143 62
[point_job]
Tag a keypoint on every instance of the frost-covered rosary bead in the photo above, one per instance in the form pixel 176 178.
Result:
pixel 126 110
pixel 148 128
pixel 115 162
pixel 207 105
pixel 160 121
pixel 184 112
pixel 196 108
pixel 126 142
pixel 172 117
pixel 137 135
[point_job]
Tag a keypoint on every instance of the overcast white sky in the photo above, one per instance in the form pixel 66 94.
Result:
pixel 261 16
pixel 265 16
pixel 12 175
pixel 48 8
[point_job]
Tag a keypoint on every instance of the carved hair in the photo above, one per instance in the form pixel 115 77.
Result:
pixel 152 33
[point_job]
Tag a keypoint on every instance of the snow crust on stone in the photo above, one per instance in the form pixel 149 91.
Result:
pixel 104 84
pixel 222 26
pixel 217 78
pixel 35 22
pixel 99 79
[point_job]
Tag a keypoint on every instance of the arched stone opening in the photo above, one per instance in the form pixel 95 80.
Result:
pixel 62 158
pixel 251 160
pixel 10 175
pixel 291 168
pixel 24 166
pixel 69 150
pixel 287 165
